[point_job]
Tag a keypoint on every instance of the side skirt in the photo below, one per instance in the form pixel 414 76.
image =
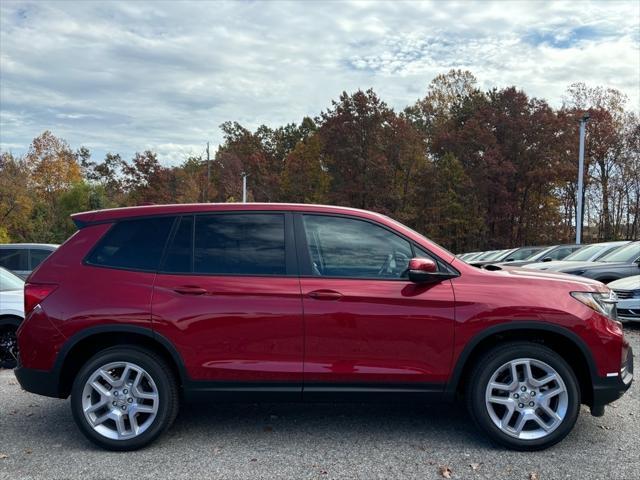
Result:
pixel 314 392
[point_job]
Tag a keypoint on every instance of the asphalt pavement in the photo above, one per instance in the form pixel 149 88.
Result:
pixel 38 439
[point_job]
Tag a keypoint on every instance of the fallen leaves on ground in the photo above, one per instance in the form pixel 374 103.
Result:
pixel 444 471
pixel 3 456
pixel 474 466
pixel 534 476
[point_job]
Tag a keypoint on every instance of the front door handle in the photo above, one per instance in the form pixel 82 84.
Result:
pixel 190 290
pixel 325 295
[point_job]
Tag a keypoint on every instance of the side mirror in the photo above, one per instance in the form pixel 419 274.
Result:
pixel 547 259
pixel 423 270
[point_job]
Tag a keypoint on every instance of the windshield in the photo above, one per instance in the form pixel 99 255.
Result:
pixel 8 281
pixel 628 254
pixel 585 253
pixel 540 255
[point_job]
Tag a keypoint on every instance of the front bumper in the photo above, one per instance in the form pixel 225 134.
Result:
pixel 609 389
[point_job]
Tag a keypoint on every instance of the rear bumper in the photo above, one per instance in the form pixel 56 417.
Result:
pixel 41 382
pixel 607 390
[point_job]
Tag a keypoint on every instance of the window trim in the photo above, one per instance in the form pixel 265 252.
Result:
pixel 304 260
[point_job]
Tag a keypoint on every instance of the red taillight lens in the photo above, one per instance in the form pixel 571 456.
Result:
pixel 34 293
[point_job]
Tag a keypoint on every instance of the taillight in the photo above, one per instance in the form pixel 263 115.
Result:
pixel 34 293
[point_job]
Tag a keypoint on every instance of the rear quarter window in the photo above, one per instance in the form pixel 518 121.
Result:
pixel 133 244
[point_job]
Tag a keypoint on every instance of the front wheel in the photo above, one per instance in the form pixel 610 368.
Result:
pixel 124 398
pixel 524 396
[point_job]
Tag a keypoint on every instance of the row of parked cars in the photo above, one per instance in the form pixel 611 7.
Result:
pixel 614 263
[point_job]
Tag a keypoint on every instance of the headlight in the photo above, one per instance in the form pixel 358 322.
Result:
pixel 602 302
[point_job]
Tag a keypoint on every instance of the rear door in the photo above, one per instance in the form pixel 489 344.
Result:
pixel 228 296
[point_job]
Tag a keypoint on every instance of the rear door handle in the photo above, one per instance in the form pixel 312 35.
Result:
pixel 325 295
pixel 189 290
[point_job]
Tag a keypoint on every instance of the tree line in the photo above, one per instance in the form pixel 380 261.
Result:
pixel 471 169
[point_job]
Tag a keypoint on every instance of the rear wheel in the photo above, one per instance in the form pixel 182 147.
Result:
pixel 124 398
pixel 524 396
pixel 8 346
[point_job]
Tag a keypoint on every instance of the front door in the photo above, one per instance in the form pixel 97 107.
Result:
pixel 228 297
pixel 367 327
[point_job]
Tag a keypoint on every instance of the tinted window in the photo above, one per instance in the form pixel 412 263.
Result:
pixel 247 244
pixel 14 258
pixel 37 256
pixel 180 252
pixel 135 244
pixel 345 247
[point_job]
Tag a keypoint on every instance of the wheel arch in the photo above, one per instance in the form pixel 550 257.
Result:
pixel 79 348
pixel 10 320
pixel 563 341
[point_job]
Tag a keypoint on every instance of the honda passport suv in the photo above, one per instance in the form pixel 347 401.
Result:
pixel 145 306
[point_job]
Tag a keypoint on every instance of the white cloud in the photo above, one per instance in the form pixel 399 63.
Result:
pixel 129 76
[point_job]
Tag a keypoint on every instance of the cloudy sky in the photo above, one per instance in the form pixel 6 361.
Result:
pixel 128 76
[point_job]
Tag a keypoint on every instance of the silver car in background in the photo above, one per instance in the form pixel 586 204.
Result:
pixel 628 291
pixel 23 258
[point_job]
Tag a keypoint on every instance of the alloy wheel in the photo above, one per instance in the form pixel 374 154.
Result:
pixel 526 399
pixel 120 400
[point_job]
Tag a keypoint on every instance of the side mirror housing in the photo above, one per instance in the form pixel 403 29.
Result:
pixel 425 270
pixel 547 259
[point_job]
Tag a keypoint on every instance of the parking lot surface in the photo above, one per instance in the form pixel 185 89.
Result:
pixel 38 439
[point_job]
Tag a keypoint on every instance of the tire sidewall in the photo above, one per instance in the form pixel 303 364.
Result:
pixel 499 357
pixel 166 393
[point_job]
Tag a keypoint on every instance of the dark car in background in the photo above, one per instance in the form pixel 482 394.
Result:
pixel 22 258
pixel 556 252
pixel 589 253
pixel 622 262
pixel 509 255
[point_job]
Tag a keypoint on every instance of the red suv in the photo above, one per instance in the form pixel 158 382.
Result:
pixel 145 305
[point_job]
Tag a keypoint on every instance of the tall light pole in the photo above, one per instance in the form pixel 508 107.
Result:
pixel 583 126
pixel 244 187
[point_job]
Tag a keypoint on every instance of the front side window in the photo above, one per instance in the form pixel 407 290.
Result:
pixel 133 244
pixel 240 244
pixel 347 247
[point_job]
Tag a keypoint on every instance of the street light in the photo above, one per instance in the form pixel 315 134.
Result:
pixel 583 125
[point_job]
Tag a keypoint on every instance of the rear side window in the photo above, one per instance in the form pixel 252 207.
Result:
pixel 133 244
pixel 14 258
pixel 243 244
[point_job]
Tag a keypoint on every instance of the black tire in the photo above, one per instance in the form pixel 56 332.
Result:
pixel 490 363
pixel 8 346
pixel 161 374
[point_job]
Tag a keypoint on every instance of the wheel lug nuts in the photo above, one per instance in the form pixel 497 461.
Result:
pixel 130 400
pixel 523 388
pixel 113 403
pixel 115 394
pixel 533 393
pixel 515 395
pixel 521 405
pixel 124 407
pixel 125 391
pixel 531 404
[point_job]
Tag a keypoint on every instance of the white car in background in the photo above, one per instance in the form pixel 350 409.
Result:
pixel 628 291
pixel 11 315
